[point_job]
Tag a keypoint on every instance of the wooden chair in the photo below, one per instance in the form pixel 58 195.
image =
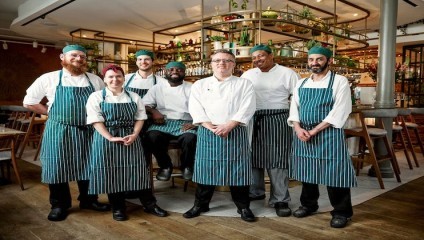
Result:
pixel 7 156
pixel 367 135
pixel 402 120
pixel 398 130
pixel 173 145
pixel 33 128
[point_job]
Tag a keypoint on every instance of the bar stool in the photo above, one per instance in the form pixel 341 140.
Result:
pixel 173 145
pixel 415 127
pixel 406 126
pixel 367 135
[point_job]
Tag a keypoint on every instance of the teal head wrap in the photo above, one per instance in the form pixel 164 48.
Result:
pixel 145 52
pixel 74 47
pixel 175 65
pixel 261 47
pixel 321 50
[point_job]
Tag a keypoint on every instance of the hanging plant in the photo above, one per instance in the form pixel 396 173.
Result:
pixel 234 4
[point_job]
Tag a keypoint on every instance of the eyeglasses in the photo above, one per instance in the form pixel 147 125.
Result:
pixel 74 55
pixel 222 60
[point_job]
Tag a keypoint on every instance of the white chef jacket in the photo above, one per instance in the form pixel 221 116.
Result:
pixel 272 88
pixel 168 100
pixel 219 102
pixel 94 112
pixel 341 94
pixel 45 86
pixel 140 82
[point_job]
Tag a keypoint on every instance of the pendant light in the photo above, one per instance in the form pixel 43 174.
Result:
pixel 5 47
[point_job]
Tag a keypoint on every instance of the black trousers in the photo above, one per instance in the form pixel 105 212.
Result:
pixel 240 195
pixel 340 199
pixel 117 200
pixel 157 143
pixel 60 195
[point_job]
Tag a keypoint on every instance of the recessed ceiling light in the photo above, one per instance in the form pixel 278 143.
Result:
pixel 355 14
pixel 84 35
pixel 176 30
pixel 319 0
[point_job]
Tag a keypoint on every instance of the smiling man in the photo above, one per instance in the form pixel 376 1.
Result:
pixel 272 137
pixel 142 80
pixel 222 105
pixel 66 139
pixel 167 102
pixel 319 109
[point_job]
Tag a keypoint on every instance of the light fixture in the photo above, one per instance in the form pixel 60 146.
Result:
pixel 5 47
pixel 35 44
pixel 44 49
pixel 355 14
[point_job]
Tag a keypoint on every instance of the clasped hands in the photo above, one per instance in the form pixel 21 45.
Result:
pixel 305 135
pixel 127 140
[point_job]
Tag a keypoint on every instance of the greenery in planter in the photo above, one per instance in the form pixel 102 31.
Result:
pixel 306 13
pixel 217 38
pixel 93 46
pixel 312 43
pixel 234 4
pixel 244 37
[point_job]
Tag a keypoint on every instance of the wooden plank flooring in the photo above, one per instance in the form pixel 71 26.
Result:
pixel 398 214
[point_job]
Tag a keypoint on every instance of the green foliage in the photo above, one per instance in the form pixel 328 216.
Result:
pixel 244 37
pixel 217 38
pixel 234 4
pixel 306 13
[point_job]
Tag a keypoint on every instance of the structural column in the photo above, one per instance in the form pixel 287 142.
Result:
pixel 386 72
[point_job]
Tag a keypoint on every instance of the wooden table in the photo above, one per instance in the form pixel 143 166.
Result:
pixel 12 135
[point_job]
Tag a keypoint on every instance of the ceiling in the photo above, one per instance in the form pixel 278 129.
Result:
pixel 51 21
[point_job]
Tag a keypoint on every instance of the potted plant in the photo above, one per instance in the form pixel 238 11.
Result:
pixel 269 14
pixel 244 42
pixel 92 48
pixel 312 43
pixel 234 4
pixel 217 44
pixel 303 18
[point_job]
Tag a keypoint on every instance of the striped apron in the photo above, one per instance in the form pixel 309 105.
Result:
pixel 223 161
pixel 272 139
pixel 67 138
pixel 139 91
pixel 173 127
pixel 324 159
pixel 115 167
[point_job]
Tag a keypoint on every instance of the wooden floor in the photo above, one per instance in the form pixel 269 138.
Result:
pixel 398 214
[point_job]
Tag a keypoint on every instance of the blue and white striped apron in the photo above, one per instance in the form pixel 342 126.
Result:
pixel 223 161
pixel 272 139
pixel 324 159
pixel 139 91
pixel 172 126
pixel 115 167
pixel 67 138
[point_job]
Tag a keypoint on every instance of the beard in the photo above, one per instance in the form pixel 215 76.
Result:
pixel 74 70
pixel 319 69
pixel 175 80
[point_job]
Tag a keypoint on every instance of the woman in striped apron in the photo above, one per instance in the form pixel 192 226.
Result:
pixel 320 106
pixel 117 161
pixel 222 106
pixel 66 139
pixel 170 98
pixel 272 138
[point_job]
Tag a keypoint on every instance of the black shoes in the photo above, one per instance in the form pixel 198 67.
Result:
pixel 156 210
pixel 164 174
pixel 339 221
pixel 302 212
pixel 57 214
pixel 119 215
pixel 96 206
pixel 187 173
pixel 260 197
pixel 282 209
pixel 195 211
pixel 246 214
